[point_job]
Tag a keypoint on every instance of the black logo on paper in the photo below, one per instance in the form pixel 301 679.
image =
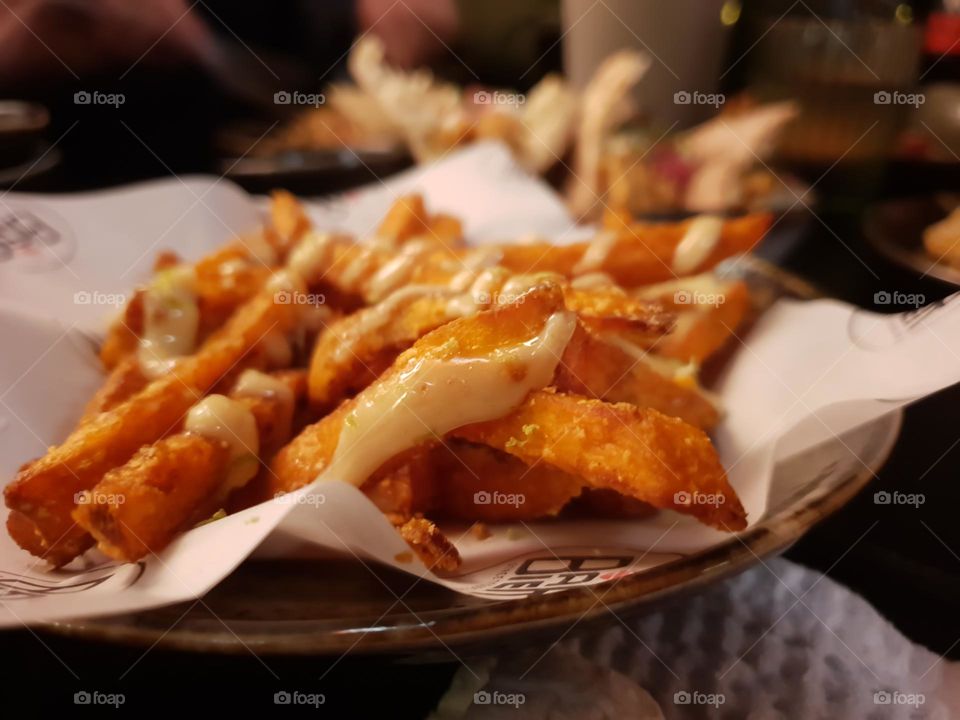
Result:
pixel 546 574
pixel 35 238
pixel 14 586
pixel 23 233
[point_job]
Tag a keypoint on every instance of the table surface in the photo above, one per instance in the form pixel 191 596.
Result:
pixel 905 561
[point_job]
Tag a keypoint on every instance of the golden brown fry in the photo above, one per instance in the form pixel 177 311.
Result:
pixel 643 252
pixel 305 458
pixel 168 486
pixel 344 356
pixel 125 380
pixel 432 546
pixel 474 482
pixel 406 218
pixel 601 370
pixel 350 354
pixel 289 220
pixel 46 489
pixel 637 452
pixel 702 329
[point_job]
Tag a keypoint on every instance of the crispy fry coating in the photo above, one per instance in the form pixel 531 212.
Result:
pixel 474 482
pixel 643 252
pixel 602 370
pixel 432 546
pixel 638 452
pixel 125 380
pixel 168 486
pixel 702 328
pixel 46 489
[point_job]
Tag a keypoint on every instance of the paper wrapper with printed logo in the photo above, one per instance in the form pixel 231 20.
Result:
pixel 806 373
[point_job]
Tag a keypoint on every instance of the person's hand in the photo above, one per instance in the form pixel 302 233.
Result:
pixel 413 32
pixel 43 39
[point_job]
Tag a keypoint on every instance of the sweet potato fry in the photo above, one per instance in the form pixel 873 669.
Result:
pixel 599 369
pixel 165 487
pixel 406 218
pixel 125 380
pixel 643 252
pixel 46 489
pixel 474 482
pixel 168 486
pixel 432 546
pixel 346 355
pixel 636 451
pixel 479 335
pixel 289 220
pixel 709 311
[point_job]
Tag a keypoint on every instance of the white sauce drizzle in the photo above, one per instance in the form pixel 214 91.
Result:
pixel 171 320
pixel 253 383
pixel 398 270
pixel 310 256
pixel 373 318
pixel 592 281
pixel 221 419
pixel 697 243
pixel 596 253
pixel 433 396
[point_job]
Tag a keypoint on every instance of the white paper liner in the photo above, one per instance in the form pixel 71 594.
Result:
pixel 807 372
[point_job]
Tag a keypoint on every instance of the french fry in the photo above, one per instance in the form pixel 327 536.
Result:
pixel 289 220
pixel 46 490
pixel 165 488
pixel 638 452
pixel 125 380
pixel 345 354
pixel 702 327
pixel 599 369
pixel 432 546
pixel 301 461
pixel 643 253
pixel 474 482
pixel 406 218
pixel 140 506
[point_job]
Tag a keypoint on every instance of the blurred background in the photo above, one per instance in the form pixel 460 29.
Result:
pixel 847 115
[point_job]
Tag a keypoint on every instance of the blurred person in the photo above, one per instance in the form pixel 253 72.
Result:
pixel 177 66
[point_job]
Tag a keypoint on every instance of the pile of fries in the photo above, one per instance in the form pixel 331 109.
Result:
pixel 421 370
